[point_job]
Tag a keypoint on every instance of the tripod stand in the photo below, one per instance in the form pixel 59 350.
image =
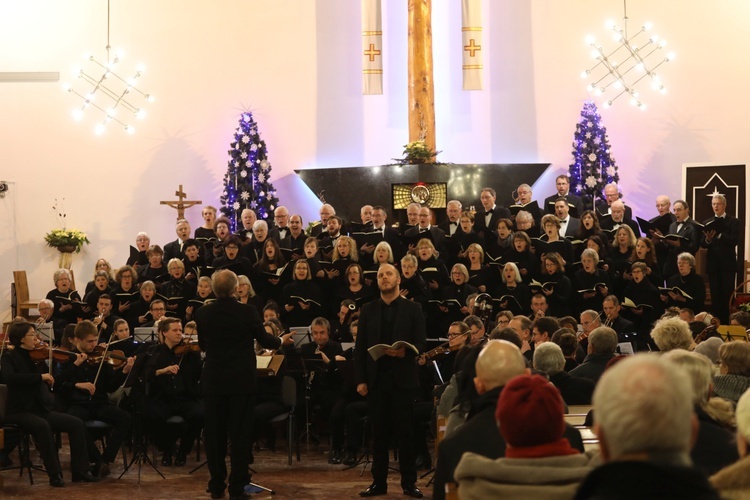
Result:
pixel 140 447
pixel 140 441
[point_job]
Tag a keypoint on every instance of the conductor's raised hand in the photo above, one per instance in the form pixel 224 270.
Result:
pixel 287 339
pixel 362 389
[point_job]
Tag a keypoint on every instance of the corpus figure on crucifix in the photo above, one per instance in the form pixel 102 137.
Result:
pixel 180 204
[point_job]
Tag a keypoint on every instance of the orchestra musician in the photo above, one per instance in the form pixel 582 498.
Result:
pixel 30 407
pixel 83 387
pixel 173 370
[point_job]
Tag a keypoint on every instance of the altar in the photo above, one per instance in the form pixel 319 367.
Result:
pixel 393 186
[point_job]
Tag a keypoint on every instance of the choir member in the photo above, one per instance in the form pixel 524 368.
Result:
pixel 591 282
pixel 138 258
pixel 413 286
pixel 139 311
pixel 562 184
pixel 689 282
pixel 521 256
pixel 101 265
pixel 512 285
pixel 459 242
pixel 355 288
pixel 480 276
pixel 206 231
pixel 722 256
pixel 174 249
pixel 101 286
pixel 177 291
pixel 155 270
pixel 232 259
pixel 487 218
pixel 645 252
pixel 642 294
pixel 203 295
pixel 268 273
pixel 301 299
pixel 66 301
pixel 559 294
pixel 246 293
pixel 125 292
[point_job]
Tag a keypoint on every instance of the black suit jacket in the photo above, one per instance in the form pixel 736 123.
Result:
pixel 172 251
pixel 549 203
pixel 438 238
pixel 603 208
pixel 573 225
pixel 690 231
pixel 275 233
pixel 722 256
pixel 409 326
pixel 228 330
pixel 481 227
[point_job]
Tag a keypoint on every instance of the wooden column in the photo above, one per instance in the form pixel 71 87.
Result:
pixel 421 88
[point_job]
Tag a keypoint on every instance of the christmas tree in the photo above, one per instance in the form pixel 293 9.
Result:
pixel 247 181
pixel 593 166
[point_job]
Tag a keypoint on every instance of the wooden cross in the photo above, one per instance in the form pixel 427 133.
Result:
pixel 421 87
pixel 180 204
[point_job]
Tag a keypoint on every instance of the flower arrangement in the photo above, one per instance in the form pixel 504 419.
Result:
pixel 65 240
pixel 60 238
pixel 416 152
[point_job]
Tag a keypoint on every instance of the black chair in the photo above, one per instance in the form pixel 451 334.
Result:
pixel 14 435
pixel 99 431
pixel 289 397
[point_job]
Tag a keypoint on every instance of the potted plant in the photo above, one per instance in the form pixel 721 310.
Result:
pixel 66 240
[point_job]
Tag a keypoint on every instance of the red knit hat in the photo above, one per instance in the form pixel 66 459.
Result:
pixel 530 412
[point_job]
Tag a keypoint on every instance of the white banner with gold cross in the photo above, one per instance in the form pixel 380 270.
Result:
pixel 372 47
pixel 471 27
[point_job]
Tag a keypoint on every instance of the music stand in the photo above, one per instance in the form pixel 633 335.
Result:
pixel 46 333
pixel 145 334
pixel 140 441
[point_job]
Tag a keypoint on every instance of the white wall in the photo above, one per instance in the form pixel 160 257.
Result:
pixel 295 64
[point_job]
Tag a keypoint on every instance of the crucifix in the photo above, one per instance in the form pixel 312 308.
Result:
pixel 421 86
pixel 180 204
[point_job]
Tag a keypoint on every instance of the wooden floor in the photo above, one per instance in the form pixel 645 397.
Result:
pixel 311 478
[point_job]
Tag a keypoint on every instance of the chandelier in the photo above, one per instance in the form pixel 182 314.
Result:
pixel 101 88
pixel 619 71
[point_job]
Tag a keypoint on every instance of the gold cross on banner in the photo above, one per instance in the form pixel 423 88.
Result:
pixel 372 52
pixel 472 48
pixel 180 204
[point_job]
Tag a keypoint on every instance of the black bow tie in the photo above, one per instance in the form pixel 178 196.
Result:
pixel 454 223
pixel 423 230
pixel 490 211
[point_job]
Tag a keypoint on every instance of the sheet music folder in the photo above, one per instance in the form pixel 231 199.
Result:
pixel 268 366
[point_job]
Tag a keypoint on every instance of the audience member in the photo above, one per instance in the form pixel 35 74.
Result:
pixel 645 423
pixel 539 462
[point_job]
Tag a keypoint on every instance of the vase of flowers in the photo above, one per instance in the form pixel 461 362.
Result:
pixel 66 241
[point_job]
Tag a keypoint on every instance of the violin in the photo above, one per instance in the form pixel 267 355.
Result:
pixel 443 349
pixel 42 353
pixel 100 355
pixel 186 346
pixel 706 332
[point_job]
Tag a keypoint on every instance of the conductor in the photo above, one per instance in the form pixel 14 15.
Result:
pixel 228 330
pixel 391 382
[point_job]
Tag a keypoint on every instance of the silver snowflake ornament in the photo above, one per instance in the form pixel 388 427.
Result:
pixel 245 195
pixel 591 181
pixel 245 139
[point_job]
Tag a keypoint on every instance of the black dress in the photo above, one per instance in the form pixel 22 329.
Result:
pixel 295 292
